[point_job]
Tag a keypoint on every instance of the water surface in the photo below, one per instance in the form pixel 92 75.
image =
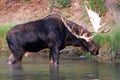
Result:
pixel 38 68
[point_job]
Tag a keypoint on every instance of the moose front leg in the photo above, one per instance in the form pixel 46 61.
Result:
pixel 54 55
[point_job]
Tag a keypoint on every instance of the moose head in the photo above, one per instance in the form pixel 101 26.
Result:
pixel 89 43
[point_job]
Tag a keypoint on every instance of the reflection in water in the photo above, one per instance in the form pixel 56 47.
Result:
pixel 116 72
pixel 54 72
pixel 94 74
pixel 16 72
pixel 66 70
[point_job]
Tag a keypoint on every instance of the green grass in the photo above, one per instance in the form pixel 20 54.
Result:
pixel 4 29
pixel 3 32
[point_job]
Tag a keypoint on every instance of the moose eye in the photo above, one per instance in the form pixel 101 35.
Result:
pixel 86 34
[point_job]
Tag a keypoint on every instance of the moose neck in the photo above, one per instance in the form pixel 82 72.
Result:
pixel 73 31
pixel 73 28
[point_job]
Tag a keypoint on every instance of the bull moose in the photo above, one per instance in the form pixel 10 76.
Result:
pixel 53 32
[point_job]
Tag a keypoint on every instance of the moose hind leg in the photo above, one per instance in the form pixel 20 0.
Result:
pixel 16 56
pixel 14 59
pixel 11 59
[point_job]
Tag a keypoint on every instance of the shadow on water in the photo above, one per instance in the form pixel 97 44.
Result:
pixel 66 70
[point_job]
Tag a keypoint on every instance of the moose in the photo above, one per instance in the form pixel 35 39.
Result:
pixel 53 32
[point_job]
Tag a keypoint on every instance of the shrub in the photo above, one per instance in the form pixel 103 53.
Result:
pixel 115 43
pixel 61 3
pixel 98 6
pixel 112 38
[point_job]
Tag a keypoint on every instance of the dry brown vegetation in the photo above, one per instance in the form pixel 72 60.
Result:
pixel 19 11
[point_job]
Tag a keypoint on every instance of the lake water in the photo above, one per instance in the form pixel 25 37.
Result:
pixel 37 67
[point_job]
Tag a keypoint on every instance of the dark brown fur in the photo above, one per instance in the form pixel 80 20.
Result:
pixel 49 32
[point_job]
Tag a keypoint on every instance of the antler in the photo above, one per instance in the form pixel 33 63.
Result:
pixel 84 36
pixel 95 20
